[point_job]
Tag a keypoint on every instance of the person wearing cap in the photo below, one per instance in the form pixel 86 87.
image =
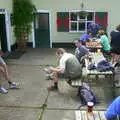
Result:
pixel 86 37
pixel 80 50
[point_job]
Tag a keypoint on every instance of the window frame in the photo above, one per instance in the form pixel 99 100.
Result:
pixel 78 20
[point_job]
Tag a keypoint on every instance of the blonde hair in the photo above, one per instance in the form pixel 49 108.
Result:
pixel 60 51
pixel 118 28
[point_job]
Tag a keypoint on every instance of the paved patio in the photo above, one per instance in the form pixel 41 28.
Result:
pixel 32 101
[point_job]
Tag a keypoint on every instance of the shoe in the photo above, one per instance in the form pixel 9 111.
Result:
pixel 47 70
pixel 14 85
pixel 52 88
pixel 3 90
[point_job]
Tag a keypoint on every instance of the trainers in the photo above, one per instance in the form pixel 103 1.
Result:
pixel 13 85
pixel 3 90
pixel 47 70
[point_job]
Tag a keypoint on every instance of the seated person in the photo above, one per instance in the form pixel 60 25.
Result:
pixel 68 67
pixel 93 27
pixel 115 40
pixel 115 44
pixel 106 48
pixel 4 71
pixel 113 109
pixel 86 37
pixel 81 50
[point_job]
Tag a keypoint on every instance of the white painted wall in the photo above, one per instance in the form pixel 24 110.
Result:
pixel 111 6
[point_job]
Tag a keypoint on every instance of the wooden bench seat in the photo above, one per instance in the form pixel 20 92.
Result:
pixel 95 115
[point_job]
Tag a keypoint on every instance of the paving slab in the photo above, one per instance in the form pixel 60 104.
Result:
pixel 19 114
pixel 65 98
pixel 59 115
pixel 28 71
pixel 32 90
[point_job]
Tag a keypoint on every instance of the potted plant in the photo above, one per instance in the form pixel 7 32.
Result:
pixel 23 15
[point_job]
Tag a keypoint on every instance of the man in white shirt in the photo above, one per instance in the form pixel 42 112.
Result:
pixel 65 69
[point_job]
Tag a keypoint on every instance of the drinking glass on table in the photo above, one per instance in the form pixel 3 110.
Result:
pixel 90 107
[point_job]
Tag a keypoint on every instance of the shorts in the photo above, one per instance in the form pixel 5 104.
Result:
pixel 62 75
pixel 1 60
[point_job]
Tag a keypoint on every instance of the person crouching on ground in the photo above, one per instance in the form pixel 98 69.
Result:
pixel 68 67
pixel 4 71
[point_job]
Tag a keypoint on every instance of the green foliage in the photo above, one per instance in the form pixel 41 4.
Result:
pixel 22 16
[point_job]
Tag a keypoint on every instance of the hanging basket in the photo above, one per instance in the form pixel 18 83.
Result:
pixel 83 14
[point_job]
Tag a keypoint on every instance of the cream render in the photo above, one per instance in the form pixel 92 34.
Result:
pixel 54 6
pixel 110 6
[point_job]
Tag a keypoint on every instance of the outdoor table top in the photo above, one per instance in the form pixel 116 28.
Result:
pixel 95 115
pixel 93 45
pixel 96 57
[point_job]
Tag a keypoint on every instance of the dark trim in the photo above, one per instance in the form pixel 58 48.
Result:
pixel 14 46
pixel 63 45
pixel 30 44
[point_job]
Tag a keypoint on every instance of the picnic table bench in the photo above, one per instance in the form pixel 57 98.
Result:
pixel 95 115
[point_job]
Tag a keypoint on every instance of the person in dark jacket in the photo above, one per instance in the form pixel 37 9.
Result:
pixel 115 44
pixel 115 40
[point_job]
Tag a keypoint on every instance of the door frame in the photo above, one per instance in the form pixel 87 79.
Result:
pixel 7 25
pixel 33 27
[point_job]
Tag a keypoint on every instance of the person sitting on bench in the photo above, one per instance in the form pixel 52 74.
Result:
pixel 68 67
pixel 80 50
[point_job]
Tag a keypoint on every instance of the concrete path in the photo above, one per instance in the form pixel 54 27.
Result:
pixel 32 101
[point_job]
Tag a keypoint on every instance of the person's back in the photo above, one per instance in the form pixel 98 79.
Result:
pixel 81 51
pixel 115 41
pixel 73 67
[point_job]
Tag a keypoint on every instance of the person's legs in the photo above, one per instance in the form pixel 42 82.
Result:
pixel 4 71
pixel 55 81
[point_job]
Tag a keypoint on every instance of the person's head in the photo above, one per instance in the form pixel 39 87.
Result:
pixel 118 28
pixel 101 32
pixel 89 32
pixel 60 52
pixel 77 43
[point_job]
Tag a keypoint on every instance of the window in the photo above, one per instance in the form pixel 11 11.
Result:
pixel 79 20
pixel 74 21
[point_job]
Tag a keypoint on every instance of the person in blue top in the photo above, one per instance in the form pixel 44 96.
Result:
pixel 93 27
pixel 86 37
pixel 113 109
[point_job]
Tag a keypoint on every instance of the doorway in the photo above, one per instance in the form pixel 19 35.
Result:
pixel 42 30
pixel 3 35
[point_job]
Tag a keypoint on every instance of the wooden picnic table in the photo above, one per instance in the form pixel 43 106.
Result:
pixel 95 115
pixel 93 46
pixel 97 57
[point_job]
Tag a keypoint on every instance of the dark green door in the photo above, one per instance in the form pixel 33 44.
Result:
pixel 42 30
pixel 3 36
